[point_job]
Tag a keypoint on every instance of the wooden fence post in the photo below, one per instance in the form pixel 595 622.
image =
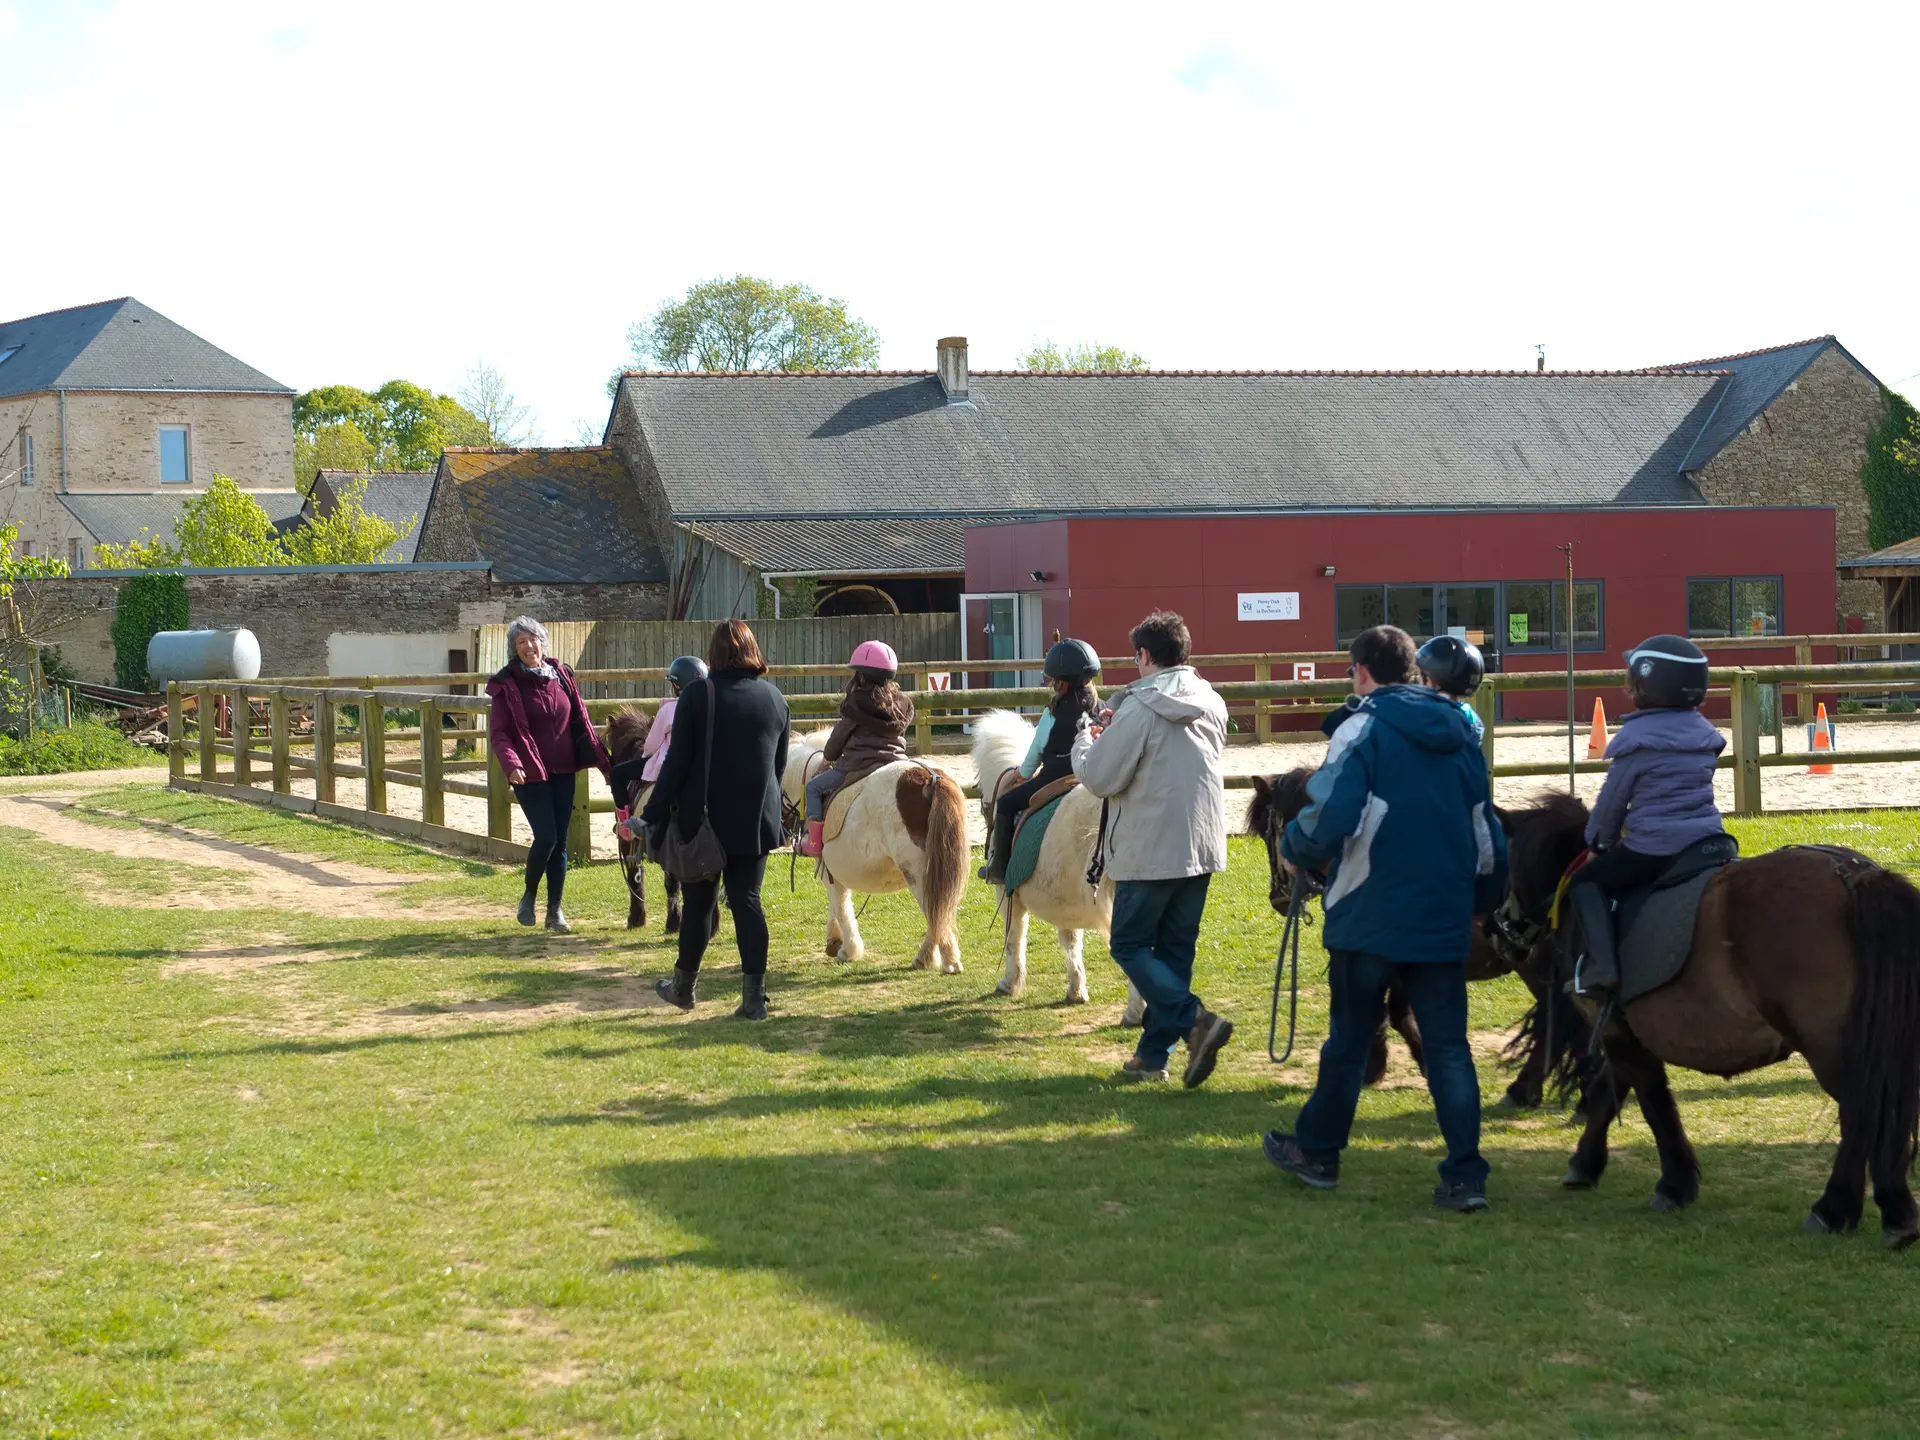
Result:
pixel 1803 694
pixel 373 752
pixel 433 800
pixel 209 712
pixel 279 734
pixel 580 826
pixel 499 797
pixel 922 719
pixel 1263 707
pixel 176 734
pixel 1486 704
pixel 242 737
pixel 323 748
pixel 1746 744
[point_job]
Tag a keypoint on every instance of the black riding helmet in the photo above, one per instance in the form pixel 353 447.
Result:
pixel 1072 660
pixel 1451 663
pixel 684 671
pixel 1667 672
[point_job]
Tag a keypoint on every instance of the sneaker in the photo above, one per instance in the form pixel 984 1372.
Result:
pixel 1133 1070
pixel 1466 1199
pixel 1285 1153
pixel 1209 1033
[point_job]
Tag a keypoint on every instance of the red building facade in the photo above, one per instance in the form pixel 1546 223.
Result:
pixel 1495 575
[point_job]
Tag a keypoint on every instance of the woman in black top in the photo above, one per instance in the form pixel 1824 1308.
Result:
pixel 1072 668
pixel 749 755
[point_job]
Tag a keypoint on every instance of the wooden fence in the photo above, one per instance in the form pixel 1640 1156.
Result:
pixel 648 646
pixel 271 752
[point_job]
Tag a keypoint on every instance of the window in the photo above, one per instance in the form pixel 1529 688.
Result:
pixel 173 455
pixel 26 549
pixel 73 555
pixel 8 353
pixel 1734 605
pixel 26 458
pixel 1520 615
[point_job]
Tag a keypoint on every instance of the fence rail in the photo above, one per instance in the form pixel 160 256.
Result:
pixel 436 774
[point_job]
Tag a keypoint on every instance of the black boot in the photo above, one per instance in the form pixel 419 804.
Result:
pixel 525 917
pixel 753 998
pixel 1598 970
pixel 995 870
pixel 677 989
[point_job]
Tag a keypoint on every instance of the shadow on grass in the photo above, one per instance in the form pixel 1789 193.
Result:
pixel 1138 1282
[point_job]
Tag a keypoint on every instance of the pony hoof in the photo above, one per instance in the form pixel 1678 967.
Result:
pixel 1814 1225
pixel 1004 989
pixel 1899 1239
pixel 1079 999
pixel 1576 1179
pixel 833 949
pixel 1664 1204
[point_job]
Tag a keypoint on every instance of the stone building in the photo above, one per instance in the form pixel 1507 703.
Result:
pixel 870 480
pixel 111 415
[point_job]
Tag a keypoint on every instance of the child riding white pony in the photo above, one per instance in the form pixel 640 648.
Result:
pixel 906 828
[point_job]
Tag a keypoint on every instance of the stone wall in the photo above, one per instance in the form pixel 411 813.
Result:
pixel 1806 448
pixel 113 444
pixel 309 619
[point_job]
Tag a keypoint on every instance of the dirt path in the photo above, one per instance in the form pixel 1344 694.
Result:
pixel 249 876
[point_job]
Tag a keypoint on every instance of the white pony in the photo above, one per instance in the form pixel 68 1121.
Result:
pixel 1058 892
pixel 906 829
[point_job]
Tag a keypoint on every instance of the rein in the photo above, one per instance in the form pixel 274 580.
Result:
pixel 1289 951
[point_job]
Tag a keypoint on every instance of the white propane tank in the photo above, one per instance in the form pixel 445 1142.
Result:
pixel 229 653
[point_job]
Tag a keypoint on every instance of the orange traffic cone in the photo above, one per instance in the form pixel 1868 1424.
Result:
pixel 1597 740
pixel 1822 742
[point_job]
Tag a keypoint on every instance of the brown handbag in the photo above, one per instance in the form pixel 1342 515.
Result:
pixel 698 860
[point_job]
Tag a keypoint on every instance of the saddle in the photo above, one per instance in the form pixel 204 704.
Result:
pixel 842 802
pixel 1030 831
pixel 1654 924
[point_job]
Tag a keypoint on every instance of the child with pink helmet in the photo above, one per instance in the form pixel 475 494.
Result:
pixel 874 719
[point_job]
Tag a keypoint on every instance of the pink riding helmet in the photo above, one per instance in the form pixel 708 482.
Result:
pixel 874 655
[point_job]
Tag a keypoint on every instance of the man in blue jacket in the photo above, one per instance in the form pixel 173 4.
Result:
pixel 1400 823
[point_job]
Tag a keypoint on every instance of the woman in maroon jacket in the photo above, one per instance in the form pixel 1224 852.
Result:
pixel 540 730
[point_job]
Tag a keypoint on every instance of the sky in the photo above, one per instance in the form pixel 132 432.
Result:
pixel 352 192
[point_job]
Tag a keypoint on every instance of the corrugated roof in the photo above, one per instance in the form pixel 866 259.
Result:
pixel 396 496
pixel 1755 380
pixel 566 515
pixel 115 519
pixel 874 445
pixel 118 345
pixel 1907 552
pixel 906 544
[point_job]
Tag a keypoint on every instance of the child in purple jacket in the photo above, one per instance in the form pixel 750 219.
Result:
pixel 1658 797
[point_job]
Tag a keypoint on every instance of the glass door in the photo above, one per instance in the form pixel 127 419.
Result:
pixel 990 630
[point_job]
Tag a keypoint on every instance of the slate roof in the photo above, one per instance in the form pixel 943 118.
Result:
pixel 1906 552
pixel 116 518
pixel 1755 380
pixel 911 545
pixel 118 345
pixel 868 444
pixel 567 515
pixel 396 496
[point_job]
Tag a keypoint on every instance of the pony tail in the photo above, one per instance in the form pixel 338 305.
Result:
pixel 949 858
pixel 1880 1092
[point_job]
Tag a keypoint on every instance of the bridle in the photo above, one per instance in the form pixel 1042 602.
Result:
pixel 793 811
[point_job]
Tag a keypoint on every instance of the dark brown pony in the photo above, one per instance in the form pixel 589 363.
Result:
pixel 1809 950
pixel 626 735
pixel 1278 800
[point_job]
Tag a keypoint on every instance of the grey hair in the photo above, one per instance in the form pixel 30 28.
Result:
pixel 525 625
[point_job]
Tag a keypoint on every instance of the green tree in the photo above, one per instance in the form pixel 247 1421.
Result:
pixel 751 324
pixel 400 426
pixel 486 397
pixel 1890 474
pixel 348 534
pixel 22 627
pixel 1049 356
pixel 220 526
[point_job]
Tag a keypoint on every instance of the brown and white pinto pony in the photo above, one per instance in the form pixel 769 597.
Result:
pixel 905 830
pixel 626 734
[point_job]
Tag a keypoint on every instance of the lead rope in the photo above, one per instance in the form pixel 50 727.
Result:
pixel 1289 949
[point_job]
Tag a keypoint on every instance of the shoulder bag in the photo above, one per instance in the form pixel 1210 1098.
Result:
pixel 698 860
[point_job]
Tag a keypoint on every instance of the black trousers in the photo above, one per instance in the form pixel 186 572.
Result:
pixel 1014 803
pixel 1618 868
pixel 701 913
pixel 548 806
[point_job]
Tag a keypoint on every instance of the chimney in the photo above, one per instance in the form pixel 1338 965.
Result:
pixel 951 363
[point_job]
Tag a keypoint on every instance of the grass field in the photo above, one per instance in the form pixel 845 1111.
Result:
pixel 270 1171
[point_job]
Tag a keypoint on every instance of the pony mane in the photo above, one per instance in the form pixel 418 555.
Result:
pixel 1278 797
pixel 1542 839
pixel 627 732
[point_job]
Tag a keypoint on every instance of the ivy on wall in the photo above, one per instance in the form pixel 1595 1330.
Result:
pixel 148 604
pixel 1891 474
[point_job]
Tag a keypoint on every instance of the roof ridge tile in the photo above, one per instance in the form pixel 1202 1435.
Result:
pixel 1696 365
pixel 66 310
pixel 1640 374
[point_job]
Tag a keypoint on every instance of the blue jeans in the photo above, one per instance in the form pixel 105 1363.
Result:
pixel 548 806
pixel 1156 929
pixel 1358 984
